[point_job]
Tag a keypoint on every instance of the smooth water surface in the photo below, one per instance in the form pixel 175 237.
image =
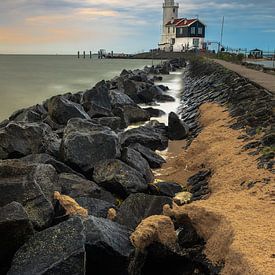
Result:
pixel 26 80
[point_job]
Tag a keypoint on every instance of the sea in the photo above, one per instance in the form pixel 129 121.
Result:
pixel 267 63
pixel 26 80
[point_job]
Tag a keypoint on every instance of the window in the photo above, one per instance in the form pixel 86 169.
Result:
pixel 196 42
pixel 193 30
pixel 173 29
pixel 168 29
pixel 200 31
pixel 181 30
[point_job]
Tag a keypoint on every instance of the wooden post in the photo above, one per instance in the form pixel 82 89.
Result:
pixel 78 54
pixel 90 54
pixel 84 54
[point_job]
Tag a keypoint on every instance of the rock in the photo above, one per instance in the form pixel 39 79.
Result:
pixel 95 111
pixel 154 160
pixel 119 98
pixel 108 247
pixel 177 129
pixel 138 207
pixel 164 98
pixel 269 140
pixel 18 139
pixel 145 135
pixel 154 229
pixel 130 88
pixel 61 110
pixel 15 230
pixel 30 185
pixel 84 144
pixel 119 178
pixel 26 115
pixel 112 122
pixel 169 189
pixel 134 159
pixel 59 166
pixel 98 96
pixel 154 112
pixel 56 250
pixel 182 198
pixel 148 94
pixel 75 187
pixel 95 207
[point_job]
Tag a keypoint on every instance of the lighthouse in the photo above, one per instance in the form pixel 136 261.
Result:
pixel 180 34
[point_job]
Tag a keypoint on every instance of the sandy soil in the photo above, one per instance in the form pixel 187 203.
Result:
pixel 237 220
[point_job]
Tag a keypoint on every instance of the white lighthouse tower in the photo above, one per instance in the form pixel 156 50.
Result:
pixel 170 12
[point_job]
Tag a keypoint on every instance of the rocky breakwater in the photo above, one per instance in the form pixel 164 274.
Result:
pixel 75 185
pixel 250 104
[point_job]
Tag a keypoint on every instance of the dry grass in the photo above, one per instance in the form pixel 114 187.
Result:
pixel 237 222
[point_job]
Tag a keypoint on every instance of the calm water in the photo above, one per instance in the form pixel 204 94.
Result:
pixel 267 64
pixel 28 80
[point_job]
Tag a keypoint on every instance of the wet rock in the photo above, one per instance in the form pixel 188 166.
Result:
pixel 130 88
pixel 119 98
pixel 177 129
pixel 75 187
pixel 108 247
pixel 61 110
pixel 84 144
pixel 169 189
pixel 15 230
pixel 134 159
pixel 138 207
pixel 26 115
pixel 154 112
pixel 30 185
pixel 164 98
pixel 56 250
pixel 154 160
pixel 18 139
pixel 119 178
pixel 145 135
pixel 95 111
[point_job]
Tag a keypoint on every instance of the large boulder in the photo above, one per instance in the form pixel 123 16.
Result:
pixel 119 178
pixel 112 122
pixel 138 207
pixel 84 144
pixel 61 110
pixel 162 188
pixel 154 112
pixel 130 88
pixel 32 186
pixel 145 135
pixel 15 230
pixel 154 160
pixel 56 250
pixel 177 129
pixel 108 247
pixel 18 139
pixel 119 98
pixel 31 114
pixel 75 187
pixel 134 159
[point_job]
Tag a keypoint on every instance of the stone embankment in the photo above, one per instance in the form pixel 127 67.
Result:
pixel 77 190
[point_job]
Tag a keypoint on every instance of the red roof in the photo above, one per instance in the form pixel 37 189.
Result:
pixel 181 22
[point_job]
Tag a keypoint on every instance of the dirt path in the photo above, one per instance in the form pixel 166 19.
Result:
pixel 265 80
pixel 236 220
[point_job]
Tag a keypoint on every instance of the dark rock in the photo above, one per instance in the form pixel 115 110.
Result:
pixel 164 98
pixel 177 129
pixel 119 178
pixel 30 185
pixel 134 159
pixel 95 207
pixel 112 122
pixel 130 88
pixel 169 189
pixel 148 94
pixel 26 115
pixel 59 166
pixel 119 98
pixel 154 160
pixel 269 139
pixel 61 110
pixel 56 250
pixel 145 135
pixel 95 111
pixel 108 247
pixel 84 144
pixel 98 96
pixel 15 230
pixel 154 112
pixel 23 138
pixel 75 187
pixel 138 207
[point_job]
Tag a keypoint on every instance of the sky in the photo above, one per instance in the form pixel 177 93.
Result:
pixel 130 26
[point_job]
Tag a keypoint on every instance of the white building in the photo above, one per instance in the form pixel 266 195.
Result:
pixel 180 34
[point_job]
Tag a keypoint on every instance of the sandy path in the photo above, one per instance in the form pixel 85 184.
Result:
pixel 238 222
pixel 263 79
